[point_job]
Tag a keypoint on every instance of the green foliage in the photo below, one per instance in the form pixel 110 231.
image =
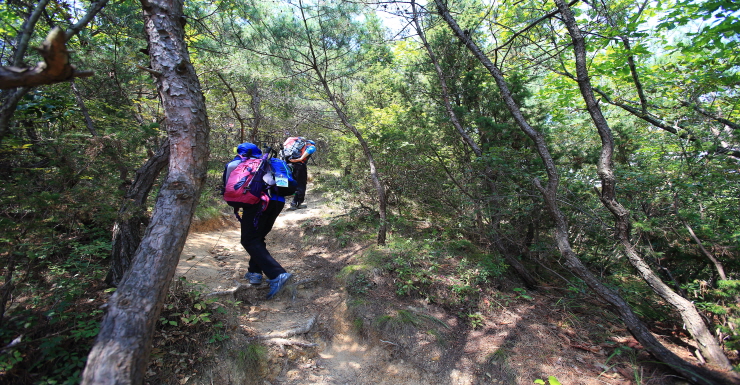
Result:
pixel 253 355
pixel 450 273
pixel 522 293
pixel 643 300
pixel 52 330
pixel 356 279
pixel 357 225
pixel 720 303
pixel 631 355
pixel 551 380
pixel 189 309
pixel 187 321
pixel 476 320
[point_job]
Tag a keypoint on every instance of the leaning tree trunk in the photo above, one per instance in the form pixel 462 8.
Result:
pixel 693 321
pixel 382 201
pixel 121 350
pixel 235 108
pixel 522 271
pixel 549 193
pixel 132 215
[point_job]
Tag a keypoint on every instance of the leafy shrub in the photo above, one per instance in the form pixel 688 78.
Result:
pixel 187 324
pixel 51 330
pixel 721 303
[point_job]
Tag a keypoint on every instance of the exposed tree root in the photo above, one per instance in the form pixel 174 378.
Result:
pixel 303 329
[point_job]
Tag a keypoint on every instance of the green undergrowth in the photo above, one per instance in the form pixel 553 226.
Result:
pixel 420 264
pixel 451 273
pixel 211 206
pixel 191 327
pixel 54 313
pixel 359 225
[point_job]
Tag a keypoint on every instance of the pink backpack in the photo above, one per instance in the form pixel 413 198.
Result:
pixel 241 187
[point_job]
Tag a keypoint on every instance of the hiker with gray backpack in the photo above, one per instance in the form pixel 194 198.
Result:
pixel 251 185
pixel 297 151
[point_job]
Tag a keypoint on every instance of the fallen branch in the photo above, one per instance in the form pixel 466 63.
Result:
pixel 54 69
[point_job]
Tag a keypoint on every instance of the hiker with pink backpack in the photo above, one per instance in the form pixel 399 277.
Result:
pixel 250 186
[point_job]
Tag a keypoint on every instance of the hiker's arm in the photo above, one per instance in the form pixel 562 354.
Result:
pixel 310 150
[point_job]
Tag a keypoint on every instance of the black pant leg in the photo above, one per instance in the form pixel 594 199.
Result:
pixel 253 241
pixel 300 174
pixel 269 216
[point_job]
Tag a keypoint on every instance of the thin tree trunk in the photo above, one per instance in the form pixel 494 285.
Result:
pixel 7 288
pixel 7 110
pixel 715 261
pixel 26 30
pixel 522 271
pixel 256 104
pixel 121 351
pixel 549 193
pixel 83 109
pixel 132 215
pixel 382 203
pixel 234 107
pixel 708 345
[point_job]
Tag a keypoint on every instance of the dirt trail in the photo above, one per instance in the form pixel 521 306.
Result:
pixel 217 260
pixel 520 340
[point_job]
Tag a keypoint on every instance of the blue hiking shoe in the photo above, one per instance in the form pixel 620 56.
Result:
pixel 253 278
pixel 278 284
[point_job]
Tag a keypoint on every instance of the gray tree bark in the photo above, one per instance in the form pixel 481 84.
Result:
pixel 121 350
pixel 549 193
pixel 132 215
pixel 693 321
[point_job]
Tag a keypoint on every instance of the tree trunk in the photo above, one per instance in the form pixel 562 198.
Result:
pixel 121 350
pixel 708 345
pixel 549 193
pixel 382 202
pixel 132 215
pixel 716 262
pixel 256 105
pixel 522 271
pixel 235 108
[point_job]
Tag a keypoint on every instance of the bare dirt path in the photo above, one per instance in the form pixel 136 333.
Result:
pixel 312 336
pixel 217 260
